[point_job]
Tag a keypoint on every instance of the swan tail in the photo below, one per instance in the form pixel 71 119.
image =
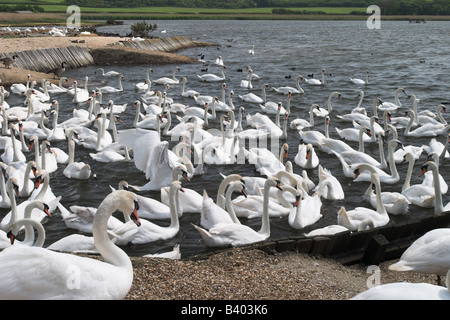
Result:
pixel 342 218
pixel 400 266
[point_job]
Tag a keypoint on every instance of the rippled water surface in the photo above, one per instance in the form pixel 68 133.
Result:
pixel 412 56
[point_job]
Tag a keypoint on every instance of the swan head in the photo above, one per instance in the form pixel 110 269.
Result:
pixel 273 182
pixel 14 184
pixel 426 167
pixel 128 203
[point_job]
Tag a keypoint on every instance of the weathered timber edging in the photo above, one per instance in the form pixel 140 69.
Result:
pixel 42 60
pixel 150 51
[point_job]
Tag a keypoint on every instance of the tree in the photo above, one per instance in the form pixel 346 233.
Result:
pixel 142 29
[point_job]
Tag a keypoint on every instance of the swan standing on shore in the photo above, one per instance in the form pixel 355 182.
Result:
pixel 22 267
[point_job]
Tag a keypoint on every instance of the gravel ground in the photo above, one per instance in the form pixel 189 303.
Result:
pixel 256 275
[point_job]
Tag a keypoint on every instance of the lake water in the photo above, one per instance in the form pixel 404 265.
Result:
pixel 400 54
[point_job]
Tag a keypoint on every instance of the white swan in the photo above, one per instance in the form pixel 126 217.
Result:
pixel 210 77
pixel 395 203
pixel 306 211
pixel 76 170
pixel 265 162
pixel 108 279
pixel 187 93
pixel 313 136
pixel 53 88
pixel 212 214
pixel 428 254
pixel 353 218
pixel 406 291
pixel 426 130
pixel 330 145
pixel 144 86
pixel 167 80
pixel 361 82
pixel 329 186
pixel 306 156
pixel 315 82
pixel 353 134
pixel 439 208
pixel 148 122
pixel 253 98
pixel 285 90
pixel 300 124
pixel 393 106
pixel 150 232
pixel 233 234
pixel 110 89
pixel 108 74
pixel 353 156
pixel 80 95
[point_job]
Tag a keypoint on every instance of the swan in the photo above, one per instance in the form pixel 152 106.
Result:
pixel 76 170
pixel 306 156
pixel 296 90
pixel 329 186
pixel 210 77
pixel 80 95
pixel 20 88
pixel 53 88
pixel 353 156
pixel 247 83
pixel 23 176
pixel 428 176
pixel 12 153
pixel 428 254
pixel 28 223
pixel 361 82
pixel 300 124
pixel 426 130
pixel 42 96
pixel 394 202
pixel 306 211
pixel 265 162
pixel 233 234
pixel 148 208
pixel 212 214
pixel 167 80
pixel 262 121
pixel 9 193
pixel 439 208
pixel 330 145
pixel 148 122
pixel 314 137
pixel 151 156
pixel 253 98
pixel 393 106
pixel 95 140
pixel 57 132
pixel 353 134
pixel 393 178
pixel 406 291
pixel 109 74
pixel 175 254
pixel 353 218
pixel 148 231
pixel 187 93
pixel 108 279
pixel 435 146
pixel 144 86
pixel 315 82
pixel 373 123
pixel 109 89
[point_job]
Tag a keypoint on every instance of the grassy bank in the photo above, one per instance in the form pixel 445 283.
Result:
pixel 56 14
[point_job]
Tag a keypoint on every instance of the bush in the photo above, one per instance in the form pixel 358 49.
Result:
pixel 142 29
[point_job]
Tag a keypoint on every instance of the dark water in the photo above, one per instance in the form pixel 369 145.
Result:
pixel 412 56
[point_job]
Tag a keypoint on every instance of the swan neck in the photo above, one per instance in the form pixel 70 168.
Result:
pixel 265 226
pixel 109 251
pixel 174 204
pixel 29 232
pixel 222 187
pixel 438 206
pixel 407 182
pixel 230 207
pixel 380 206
